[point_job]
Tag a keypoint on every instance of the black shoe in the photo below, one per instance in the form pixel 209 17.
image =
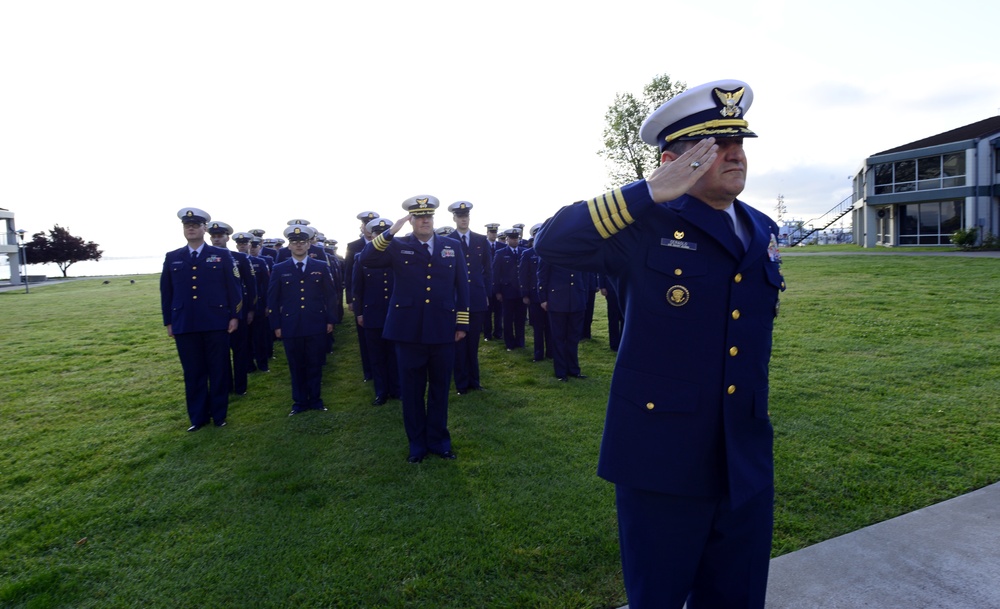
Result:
pixel 394 396
pixel 447 455
pixel 538 359
pixel 222 424
pixel 579 376
pixel 414 459
pixel 195 427
pixel 379 401
pixel 562 378
pixel 463 391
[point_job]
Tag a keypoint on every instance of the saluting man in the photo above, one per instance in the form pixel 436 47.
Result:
pixel 687 438
pixel 428 314
pixel 301 302
pixel 201 300
pixel 372 290
pixel 479 263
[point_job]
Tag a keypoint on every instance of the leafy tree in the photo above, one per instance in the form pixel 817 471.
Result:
pixel 60 248
pixel 627 156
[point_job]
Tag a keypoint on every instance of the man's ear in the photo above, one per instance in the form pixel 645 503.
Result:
pixel 666 155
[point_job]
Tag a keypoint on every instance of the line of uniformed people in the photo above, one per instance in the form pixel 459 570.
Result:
pixel 505 283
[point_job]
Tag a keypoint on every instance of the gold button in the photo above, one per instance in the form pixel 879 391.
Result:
pixel 736 314
pixel 428 276
pixel 428 266
pixel 650 406
pixel 428 288
pixel 194 287
pixel 428 301
pixel 678 272
pixel 733 351
pixel 738 278
pixel 731 390
pixel 195 297
pixel 194 268
pixel 194 277
pixel 302 307
pixel 303 298
pixel 782 285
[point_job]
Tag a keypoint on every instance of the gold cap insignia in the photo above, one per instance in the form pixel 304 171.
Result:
pixel 730 102
pixel 297 231
pixel 678 295
pixel 189 213
pixel 678 234
pixel 422 203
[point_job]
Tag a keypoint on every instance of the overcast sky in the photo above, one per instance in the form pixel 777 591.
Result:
pixel 114 115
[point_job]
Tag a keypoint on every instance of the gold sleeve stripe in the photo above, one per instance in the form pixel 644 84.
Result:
pixel 462 318
pixel 239 306
pixel 380 242
pixel 609 213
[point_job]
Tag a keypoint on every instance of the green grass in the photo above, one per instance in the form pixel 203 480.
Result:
pixel 883 386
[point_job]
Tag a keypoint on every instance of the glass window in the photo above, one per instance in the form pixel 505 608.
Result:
pixel 951 217
pixel 954 170
pixel 929 173
pixel 906 176
pixel 883 178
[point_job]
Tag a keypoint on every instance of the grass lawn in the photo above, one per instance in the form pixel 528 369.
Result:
pixel 883 397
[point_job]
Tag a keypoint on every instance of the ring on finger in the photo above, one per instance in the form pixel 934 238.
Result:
pixel 696 165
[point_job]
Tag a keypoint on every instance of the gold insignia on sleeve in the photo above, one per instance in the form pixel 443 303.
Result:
pixel 609 213
pixel 678 234
pixel 678 295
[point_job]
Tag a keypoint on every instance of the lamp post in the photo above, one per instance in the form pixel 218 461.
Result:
pixel 23 259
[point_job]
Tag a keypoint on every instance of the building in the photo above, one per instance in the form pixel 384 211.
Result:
pixel 922 192
pixel 9 244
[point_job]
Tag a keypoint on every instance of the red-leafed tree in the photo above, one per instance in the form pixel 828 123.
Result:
pixel 60 248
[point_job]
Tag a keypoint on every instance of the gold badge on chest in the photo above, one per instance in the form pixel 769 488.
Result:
pixel 678 295
pixel 678 234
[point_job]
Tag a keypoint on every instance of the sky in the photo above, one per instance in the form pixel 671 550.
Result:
pixel 114 115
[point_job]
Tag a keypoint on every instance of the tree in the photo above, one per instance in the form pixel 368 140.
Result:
pixel 60 248
pixel 628 157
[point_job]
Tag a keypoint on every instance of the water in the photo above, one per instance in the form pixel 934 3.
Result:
pixel 105 266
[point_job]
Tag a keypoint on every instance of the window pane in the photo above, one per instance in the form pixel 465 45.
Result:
pixel 883 190
pixel 883 174
pixel 908 220
pixel 929 168
pixel 954 164
pixel 906 171
pixel 930 213
pixel 951 216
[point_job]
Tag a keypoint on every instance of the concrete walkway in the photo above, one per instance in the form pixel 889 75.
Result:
pixel 946 556
pixel 943 556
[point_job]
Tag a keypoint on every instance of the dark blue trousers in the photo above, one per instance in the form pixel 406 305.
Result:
pixel 426 368
pixel 566 331
pixel 239 344
pixel 205 361
pixel 514 315
pixel 306 355
pixel 467 354
pixel 542 331
pixel 260 342
pixel 366 364
pixel 385 369
pixel 695 550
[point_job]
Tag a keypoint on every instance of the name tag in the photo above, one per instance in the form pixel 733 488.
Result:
pixel 684 245
pixel 407 252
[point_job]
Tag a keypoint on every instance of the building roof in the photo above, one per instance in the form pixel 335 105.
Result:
pixel 975 130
